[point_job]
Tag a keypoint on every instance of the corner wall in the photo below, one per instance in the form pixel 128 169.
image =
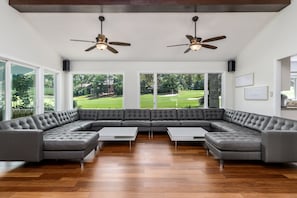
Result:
pixel 131 71
pixel 277 40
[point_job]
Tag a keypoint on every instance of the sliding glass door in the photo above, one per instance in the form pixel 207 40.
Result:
pixel 49 91
pixel 23 91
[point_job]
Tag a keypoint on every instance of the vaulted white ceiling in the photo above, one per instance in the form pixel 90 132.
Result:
pixel 149 34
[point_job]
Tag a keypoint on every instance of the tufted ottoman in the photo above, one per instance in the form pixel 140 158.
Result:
pixel 234 145
pixel 69 145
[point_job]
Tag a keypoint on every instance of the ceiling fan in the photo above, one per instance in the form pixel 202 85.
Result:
pixel 196 42
pixel 102 41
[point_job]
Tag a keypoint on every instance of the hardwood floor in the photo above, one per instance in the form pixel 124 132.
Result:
pixel 153 168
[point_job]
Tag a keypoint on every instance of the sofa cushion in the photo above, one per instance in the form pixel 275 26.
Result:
pixel 165 123
pixel 234 141
pixel 19 123
pixel 190 114
pixel 136 123
pixel 228 114
pixel 69 141
pixel 163 114
pixel 73 114
pixel 239 117
pixel 194 123
pixel 137 114
pixel 230 127
pixel 45 121
pixel 107 123
pixel 277 123
pixel 256 121
pixel 213 114
pixel 110 115
pixel 87 114
pixel 62 117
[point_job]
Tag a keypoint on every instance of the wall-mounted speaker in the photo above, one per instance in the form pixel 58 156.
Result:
pixel 66 65
pixel 231 66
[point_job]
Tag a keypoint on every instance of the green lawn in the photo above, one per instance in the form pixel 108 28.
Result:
pixel 184 99
pixel 99 103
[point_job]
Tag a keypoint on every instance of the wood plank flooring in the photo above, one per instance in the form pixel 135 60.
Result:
pixel 153 168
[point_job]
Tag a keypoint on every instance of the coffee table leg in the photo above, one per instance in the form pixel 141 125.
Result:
pixel 175 145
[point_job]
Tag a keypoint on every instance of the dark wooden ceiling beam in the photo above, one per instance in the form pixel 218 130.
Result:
pixel 149 5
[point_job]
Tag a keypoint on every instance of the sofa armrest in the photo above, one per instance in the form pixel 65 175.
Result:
pixel 279 146
pixel 21 145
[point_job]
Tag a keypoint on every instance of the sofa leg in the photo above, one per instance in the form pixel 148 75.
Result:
pixel 221 164
pixel 82 166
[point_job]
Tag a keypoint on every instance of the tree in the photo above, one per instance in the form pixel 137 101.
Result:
pixel 146 83
pixel 118 84
pixel 21 85
pixel 99 85
pixel 168 83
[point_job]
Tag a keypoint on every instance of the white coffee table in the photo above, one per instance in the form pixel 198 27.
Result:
pixel 118 134
pixel 186 134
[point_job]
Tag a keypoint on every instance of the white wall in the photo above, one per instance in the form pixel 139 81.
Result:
pixel 20 42
pixel 277 40
pixel 131 71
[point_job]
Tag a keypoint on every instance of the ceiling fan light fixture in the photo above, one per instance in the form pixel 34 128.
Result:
pixel 101 46
pixel 195 47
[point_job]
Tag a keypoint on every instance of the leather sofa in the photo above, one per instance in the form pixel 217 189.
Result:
pixel 58 135
pixel 234 135
pixel 248 136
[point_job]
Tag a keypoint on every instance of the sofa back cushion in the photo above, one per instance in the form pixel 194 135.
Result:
pixel 110 115
pixel 137 114
pixel 239 117
pixel 45 121
pixel 190 114
pixel 277 123
pixel 228 114
pixel 163 114
pixel 87 114
pixel 213 114
pixel 73 114
pixel 256 121
pixel 62 117
pixel 19 123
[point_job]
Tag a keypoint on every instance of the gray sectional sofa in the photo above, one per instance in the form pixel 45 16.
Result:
pixel 233 135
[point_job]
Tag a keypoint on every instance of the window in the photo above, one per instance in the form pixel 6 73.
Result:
pixel 2 90
pixel 23 91
pixel 49 91
pixel 98 91
pixel 173 90
pixel 147 91
pixel 214 90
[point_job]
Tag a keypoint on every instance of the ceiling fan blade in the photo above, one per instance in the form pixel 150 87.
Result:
pixel 82 41
pixel 90 48
pixel 214 39
pixel 177 45
pixel 190 37
pixel 112 49
pixel 209 46
pixel 187 50
pixel 119 43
